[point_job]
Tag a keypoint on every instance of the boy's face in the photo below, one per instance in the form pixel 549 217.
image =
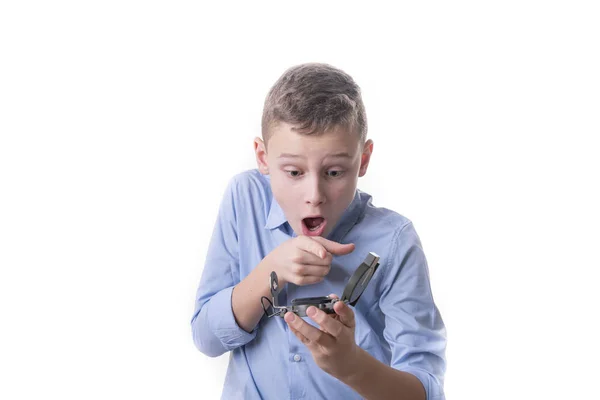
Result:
pixel 313 177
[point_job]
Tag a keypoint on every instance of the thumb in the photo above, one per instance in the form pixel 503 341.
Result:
pixel 336 248
pixel 345 313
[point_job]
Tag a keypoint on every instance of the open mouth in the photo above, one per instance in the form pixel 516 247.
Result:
pixel 313 226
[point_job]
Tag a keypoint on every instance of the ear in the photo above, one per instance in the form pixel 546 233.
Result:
pixel 365 157
pixel 261 156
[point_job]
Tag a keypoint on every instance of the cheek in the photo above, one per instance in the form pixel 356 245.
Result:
pixel 343 190
pixel 337 194
pixel 342 197
pixel 283 192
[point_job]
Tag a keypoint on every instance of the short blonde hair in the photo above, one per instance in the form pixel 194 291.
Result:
pixel 315 98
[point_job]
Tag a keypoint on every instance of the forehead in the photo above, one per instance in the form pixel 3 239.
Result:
pixel 285 142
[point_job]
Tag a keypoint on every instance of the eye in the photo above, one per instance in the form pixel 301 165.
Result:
pixel 293 173
pixel 335 173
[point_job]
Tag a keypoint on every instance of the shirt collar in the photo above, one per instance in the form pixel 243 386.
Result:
pixel 276 217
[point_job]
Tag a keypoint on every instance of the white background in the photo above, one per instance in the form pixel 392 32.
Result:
pixel 122 121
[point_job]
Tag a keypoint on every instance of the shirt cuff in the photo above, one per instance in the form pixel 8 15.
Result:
pixel 222 322
pixel 433 388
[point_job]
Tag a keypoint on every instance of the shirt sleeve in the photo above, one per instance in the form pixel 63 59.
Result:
pixel 413 325
pixel 214 328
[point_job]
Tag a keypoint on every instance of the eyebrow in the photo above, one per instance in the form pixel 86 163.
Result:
pixel 342 154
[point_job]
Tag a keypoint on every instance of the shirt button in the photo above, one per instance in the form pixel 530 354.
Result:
pixel 297 357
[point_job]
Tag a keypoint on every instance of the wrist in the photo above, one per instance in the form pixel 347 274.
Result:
pixel 358 362
pixel 267 267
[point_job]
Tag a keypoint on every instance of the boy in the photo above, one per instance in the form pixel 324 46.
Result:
pixel 300 214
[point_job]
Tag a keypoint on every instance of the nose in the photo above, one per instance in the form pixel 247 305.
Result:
pixel 315 194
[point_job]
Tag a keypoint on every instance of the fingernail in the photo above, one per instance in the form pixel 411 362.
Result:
pixel 311 311
pixel 291 318
pixel 323 254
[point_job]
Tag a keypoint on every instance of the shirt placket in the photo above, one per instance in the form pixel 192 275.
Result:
pixel 298 369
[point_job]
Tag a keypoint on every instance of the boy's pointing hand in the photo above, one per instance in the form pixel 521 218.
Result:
pixel 333 346
pixel 304 260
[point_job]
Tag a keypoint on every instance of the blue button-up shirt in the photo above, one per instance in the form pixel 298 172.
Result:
pixel 397 321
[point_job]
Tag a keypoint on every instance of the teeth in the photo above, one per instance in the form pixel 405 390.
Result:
pixel 315 228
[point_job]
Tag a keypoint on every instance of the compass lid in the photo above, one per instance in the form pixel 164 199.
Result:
pixel 360 279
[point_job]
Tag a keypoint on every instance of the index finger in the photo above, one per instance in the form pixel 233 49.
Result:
pixel 312 246
pixel 334 247
pixel 328 324
pixel 311 333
